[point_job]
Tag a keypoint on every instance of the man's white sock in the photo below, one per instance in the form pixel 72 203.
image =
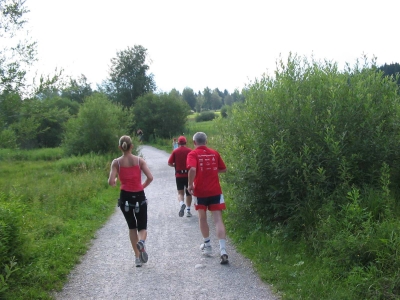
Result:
pixel 222 244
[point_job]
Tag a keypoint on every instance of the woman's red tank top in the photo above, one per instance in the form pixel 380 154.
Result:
pixel 131 178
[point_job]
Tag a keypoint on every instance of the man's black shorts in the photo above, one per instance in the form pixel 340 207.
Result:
pixel 181 183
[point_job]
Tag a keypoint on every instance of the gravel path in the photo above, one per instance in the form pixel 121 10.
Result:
pixel 176 269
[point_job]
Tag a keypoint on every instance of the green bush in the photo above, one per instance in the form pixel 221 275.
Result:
pixel 205 116
pixel 308 133
pixel 160 115
pixel 314 153
pixel 8 139
pixel 10 221
pixel 97 127
pixel 224 111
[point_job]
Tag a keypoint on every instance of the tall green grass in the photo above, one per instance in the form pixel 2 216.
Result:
pixel 58 204
pixel 32 155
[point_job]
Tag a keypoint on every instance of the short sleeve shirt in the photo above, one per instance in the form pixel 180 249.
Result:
pixel 207 163
pixel 178 157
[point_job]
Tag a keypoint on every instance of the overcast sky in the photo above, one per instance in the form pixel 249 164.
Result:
pixel 217 44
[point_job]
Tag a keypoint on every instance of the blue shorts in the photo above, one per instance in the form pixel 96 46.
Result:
pixel 213 203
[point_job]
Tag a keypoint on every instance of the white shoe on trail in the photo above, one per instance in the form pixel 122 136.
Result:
pixel 205 250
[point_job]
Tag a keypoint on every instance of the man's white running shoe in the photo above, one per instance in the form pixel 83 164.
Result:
pixel 206 250
pixel 182 210
pixel 188 213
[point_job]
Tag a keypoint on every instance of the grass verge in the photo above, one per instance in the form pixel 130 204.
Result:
pixel 59 204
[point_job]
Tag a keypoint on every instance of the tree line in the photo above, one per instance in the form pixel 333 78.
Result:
pixel 56 110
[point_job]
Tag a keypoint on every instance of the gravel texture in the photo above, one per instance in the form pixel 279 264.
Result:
pixel 176 269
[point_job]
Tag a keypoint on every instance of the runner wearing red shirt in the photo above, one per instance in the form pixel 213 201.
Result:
pixel 204 165
pixel 178 161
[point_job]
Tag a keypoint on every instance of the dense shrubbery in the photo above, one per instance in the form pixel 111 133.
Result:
pixel 160 115
pixel 97 127
pixel 316 150
pixel 205 116
pixel 224 111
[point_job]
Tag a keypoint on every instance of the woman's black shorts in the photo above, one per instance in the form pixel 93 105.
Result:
pixel 134 219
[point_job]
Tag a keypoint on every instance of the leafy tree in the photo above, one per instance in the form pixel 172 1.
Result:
pixel 40 122
pixel 216 100
pixel 175 93
pixel 160 115
pixel 96 128
pixel 207 98
pixel 50 85
pixel 189 96
pixel 228 100
pixel 199 102
pixel 238 96
pixel 34 122
pixel 58 111
pixel 16 55
pixel 8 139
pixel 220 94
pixel 10 106
pixel 392 70
pixel 128 76
pixel 77 89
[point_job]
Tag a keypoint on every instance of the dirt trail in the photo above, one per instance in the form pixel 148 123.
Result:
pixel 175 270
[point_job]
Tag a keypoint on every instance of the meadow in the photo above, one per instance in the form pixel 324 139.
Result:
pixel 57 204
pixel 54 205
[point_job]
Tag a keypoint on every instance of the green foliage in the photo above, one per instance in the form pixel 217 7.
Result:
pixel 10 106
pixel 51 129
pixel 16 54
pixel 8 139
pixel 40 123
pixel 224 111
pixel 392 70
pixel 50 213
pixel 11 241
pixel 313 154
pixel 307 133
pixel 87 162
pixel 128 76
pixel 160 115
pixel 49 154
pixel 189 96
pixel 8 270
pixel 205 116
pixel 97 127
pixel 77 89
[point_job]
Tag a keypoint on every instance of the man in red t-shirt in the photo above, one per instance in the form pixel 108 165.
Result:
pixel 204 165
pixel 178 161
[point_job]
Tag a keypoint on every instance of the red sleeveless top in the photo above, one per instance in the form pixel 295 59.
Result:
pixel 131 178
